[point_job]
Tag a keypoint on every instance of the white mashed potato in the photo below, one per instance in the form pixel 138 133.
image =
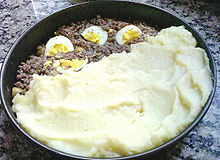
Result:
pixel 123 104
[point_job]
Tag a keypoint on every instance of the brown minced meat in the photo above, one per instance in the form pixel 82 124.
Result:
pixel 83 48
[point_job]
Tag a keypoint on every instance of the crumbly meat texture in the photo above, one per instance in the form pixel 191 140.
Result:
pixel 83 48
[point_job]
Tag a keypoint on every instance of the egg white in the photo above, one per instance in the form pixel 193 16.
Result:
pixel 60 69
pixel 98 30
pixel 120 33
pixel 59 40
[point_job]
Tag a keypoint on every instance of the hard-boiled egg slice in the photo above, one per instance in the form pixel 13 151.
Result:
pixel 95 34
pixel 58 44
pixel 63 65
pixel 128 33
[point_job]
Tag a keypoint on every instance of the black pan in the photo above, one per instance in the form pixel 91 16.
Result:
pixel 43 30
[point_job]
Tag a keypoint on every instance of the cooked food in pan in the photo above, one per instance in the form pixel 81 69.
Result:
pixel 112 90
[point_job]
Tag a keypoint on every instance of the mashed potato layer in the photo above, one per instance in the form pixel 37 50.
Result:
pixel 123 104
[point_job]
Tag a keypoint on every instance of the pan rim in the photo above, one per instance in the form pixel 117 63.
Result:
pixel 146 153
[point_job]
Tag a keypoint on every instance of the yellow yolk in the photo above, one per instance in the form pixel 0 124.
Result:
pixel 74 64
pixel 57 48
pixel 66 64
pixel 130 35
pixel 110 30
pixel 93 37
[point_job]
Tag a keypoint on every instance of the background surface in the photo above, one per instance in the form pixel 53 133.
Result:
pixel 203 143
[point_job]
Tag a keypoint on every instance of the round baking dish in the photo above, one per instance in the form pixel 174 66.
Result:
pixel 44 29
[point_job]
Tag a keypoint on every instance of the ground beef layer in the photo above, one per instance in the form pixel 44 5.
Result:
pixel 83 48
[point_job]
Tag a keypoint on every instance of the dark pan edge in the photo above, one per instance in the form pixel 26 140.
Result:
pixel 149 152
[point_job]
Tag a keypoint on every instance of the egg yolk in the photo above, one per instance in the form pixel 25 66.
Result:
pixel 92 36
pixel 110 30
pixel 73 64
pixel 57 48
pixel 65 64
pixel 130 35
